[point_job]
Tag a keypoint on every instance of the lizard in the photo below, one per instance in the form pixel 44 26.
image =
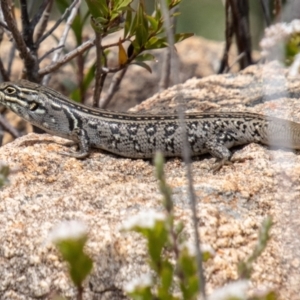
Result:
pixel 141 135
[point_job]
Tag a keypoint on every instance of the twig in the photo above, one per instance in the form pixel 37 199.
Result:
pixel 238 58
pixel 3 72
pixel 53 67
pixel 7 127
pixel 166 69
pixel 277 9
pixel 266 11
pixel 229 36
pixel 103 76
pixel 44 21
pixel 185 151
pixel 26 26
pixel 240 21
pixel 36 18
pixel 113 70
pixel 24 14
pixel 49 52
pixel 98 72
pixel 48 33
pixel 29 60
pixel 11 58
pixel 3 25
pixel 11 24
pixel 114 86
pixel 63 37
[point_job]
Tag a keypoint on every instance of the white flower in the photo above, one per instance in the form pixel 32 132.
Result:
pixel 145 219
pixel 277 34
pixel 68 230
pixel 233 290
pixel 142 282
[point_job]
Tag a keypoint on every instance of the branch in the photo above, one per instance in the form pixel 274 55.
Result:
pixel 29 60
pixel 68 10
pixel 79 50
pixel 185 151
pixel 266 12
pixel 26 27
pixel 98 72
pixel 63 38
pixel 11 58
pixel 11 24
pixel 7 127
pixel 39 13
pixel 166 69
pixel 3 25
pixel 229 36
pixel 44 21
pixel 3 72
pixel 24 14
pixel 114 86
pixel 49 52
pixel 164 82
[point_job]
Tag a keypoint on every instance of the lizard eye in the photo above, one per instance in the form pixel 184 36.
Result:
pixel 10 90
pixel 33 106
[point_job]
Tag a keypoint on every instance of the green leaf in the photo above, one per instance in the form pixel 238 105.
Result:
pixel 123 4
pixel 77 27
pixel 127 22
pixel 166 275
pixel 141 33
pixel 153 22
pixel 182 36
pixel 156 43
pixel 114 15
pixel 157 238
pixel 87 80
pixel 98 8
pixel 4 172
pixel 157 11
pixel 80 264
pixel 143 293
pixel 173 3
pixel 134 25
pixel 143 65
pixel 176 14
pixel 145 57
pixel 62 5
pixel 98 24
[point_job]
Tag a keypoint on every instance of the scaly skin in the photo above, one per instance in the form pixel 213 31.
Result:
pixel 140 136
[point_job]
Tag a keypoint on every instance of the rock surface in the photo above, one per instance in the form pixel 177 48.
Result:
pixel 104 190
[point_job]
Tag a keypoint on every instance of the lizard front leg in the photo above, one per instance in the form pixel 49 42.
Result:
pixel 83 142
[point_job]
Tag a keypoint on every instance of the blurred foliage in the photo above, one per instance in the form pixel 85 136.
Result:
pixel 4 172
pixel 292 48
pixel 80 264
pixel 174 263
pixel 144 32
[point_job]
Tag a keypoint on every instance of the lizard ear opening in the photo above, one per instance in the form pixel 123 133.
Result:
pixel 33 106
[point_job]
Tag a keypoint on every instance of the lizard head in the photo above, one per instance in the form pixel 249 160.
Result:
pixel 23 99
